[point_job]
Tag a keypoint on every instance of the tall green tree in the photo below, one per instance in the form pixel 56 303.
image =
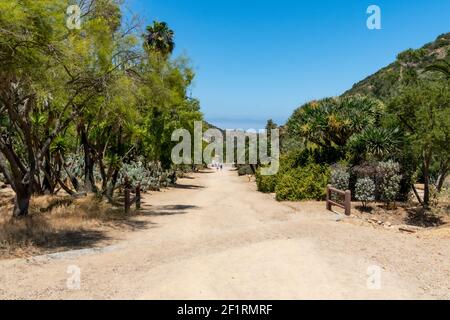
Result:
pixel 160 38
pixel 423 112
pixel 75 105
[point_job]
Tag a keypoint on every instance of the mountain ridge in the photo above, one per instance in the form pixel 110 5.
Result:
pixel 385 82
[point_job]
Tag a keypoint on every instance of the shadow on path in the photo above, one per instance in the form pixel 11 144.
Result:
pixel 187 186
pixel 166 210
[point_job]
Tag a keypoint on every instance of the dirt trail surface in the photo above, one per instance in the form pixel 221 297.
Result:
pixel 215 237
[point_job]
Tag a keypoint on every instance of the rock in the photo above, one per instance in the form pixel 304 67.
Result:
pixel 4 186
pixel 388 224
pixel 380 222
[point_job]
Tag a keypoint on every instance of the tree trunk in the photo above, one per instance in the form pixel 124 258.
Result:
pixel 426 178
pixel 416 194
pixel 48 186
pixel 112 186
pixel 89 181
pixel 442 175
pixel 21 201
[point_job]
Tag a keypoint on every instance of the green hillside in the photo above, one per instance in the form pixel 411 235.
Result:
pixel 385 83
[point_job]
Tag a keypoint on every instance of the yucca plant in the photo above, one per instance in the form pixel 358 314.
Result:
pixel 332 121
pixel 375 143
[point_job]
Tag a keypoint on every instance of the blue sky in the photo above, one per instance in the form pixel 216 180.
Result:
pixel 260 59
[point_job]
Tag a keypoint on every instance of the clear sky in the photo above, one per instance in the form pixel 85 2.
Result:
pixel 260 59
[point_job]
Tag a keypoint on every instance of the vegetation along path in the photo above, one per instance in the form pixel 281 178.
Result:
pixel 216 237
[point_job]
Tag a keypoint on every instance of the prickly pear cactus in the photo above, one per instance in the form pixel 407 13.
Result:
pixel 150 176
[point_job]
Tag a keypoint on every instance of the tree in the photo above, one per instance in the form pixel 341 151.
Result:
pixel 159 38
pixel 76 106
pixel 31 49
pixel 332 121
pixel 423 112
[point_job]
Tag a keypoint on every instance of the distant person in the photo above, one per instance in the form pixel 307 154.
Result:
pixel 221 167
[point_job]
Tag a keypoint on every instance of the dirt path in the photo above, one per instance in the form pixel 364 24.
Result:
pixel 214 237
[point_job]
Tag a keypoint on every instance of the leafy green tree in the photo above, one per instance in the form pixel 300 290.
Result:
pixel 423 111
pixel 32 49
pixel 78 107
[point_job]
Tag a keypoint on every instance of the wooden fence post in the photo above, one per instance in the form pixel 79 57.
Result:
pixel 328 197
pixel 127 201
pixel 348 202
pixel 138 196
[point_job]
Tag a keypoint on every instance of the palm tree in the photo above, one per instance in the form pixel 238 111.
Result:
pixel 442 66
pixel 159 38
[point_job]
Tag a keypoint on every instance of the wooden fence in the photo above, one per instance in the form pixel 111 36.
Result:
pixel 347 195
pixel 135 200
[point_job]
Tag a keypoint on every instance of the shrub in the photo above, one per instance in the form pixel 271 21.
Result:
pixel 340 178
pixel 390 181
pixel 244 170
pixel 306 183
pixel 365 190
pixel 266 184
pixel 390 188
pixel 288 188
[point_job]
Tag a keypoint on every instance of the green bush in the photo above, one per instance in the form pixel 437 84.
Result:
pixel 390 182
pixel 288 188
pixel 244 170
pixel 340 177
pixel 305 183
pixel 365 190
pixel 266 184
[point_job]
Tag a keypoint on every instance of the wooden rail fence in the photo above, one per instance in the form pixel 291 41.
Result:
pixel 346 205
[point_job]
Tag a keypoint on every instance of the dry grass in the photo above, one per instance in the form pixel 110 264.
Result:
pixel 57 223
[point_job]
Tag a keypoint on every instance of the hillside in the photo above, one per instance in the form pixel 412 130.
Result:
pixel 384 83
